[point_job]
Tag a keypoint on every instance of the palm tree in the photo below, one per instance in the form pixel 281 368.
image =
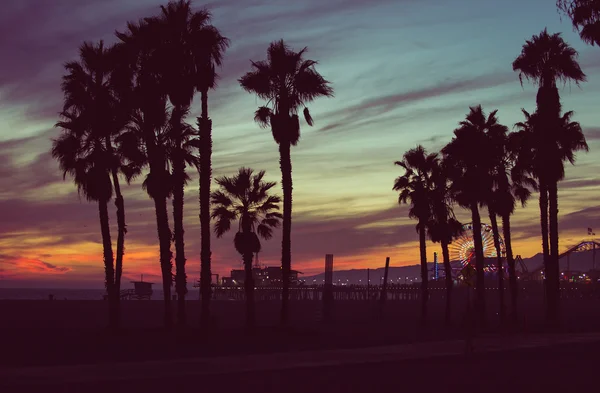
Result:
pixel 509 185
pixel 499 260
pixel 531 159
pixel 83 156
pixel 585 16
pixel 287 82
pixel 497 136
pixel 547 59
pixel 91 89
pixel 415 187
pixel 443 226
pixel 245 198
pixel 468 159
pixel 182 146
pixel 149 117
pixel 194 48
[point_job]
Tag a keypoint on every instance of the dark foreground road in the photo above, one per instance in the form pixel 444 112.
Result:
pixel 518 364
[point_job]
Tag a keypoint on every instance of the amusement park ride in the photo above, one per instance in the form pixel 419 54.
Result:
pixel 462 253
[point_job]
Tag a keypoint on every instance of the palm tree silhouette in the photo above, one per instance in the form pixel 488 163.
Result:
pixel 182 149
pixel 415 187
pixel 545 60
pixel 585 16
pixel 531 159
pixel 142 43
pixel 92 95
pixel 509 185
pixel 468 158
pixel 497 135
pixel 443 226
pixel 212 50
pixel 287 82
pixel 82 155
pixel 193 47
pixel 245 198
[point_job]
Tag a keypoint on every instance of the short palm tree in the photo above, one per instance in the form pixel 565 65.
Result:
pixel 547 59
pixel 443 227
pixel 287 81
pixel 585 16
pixel 415 187
pixel 468 159
pixel 245 198
pixel 90 88
pixel 83 156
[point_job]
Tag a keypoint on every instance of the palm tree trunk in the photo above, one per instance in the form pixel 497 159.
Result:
pixel 121 231
pixel 285 162
pixel 545 245
pixel 510 260
pixel 249 289
pixel 479 264
pixel 553 280
pixel 499 264
pixel 178 232
pixel 449 283
pixel 424 274
pixel 205 131
pixel 109 271
pixel 164 239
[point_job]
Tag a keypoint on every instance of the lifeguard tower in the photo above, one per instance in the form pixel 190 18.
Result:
pixel 142 290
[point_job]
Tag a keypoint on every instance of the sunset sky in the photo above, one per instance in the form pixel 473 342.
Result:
pixel 404 73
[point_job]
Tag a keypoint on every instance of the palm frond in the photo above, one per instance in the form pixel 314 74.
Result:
pixel 262 116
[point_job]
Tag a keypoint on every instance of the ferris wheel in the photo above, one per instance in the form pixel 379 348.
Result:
pixel 462 249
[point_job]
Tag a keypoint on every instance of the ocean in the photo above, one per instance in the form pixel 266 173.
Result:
pixel 68 294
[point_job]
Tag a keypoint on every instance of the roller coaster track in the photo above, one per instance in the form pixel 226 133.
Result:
pixel 580 247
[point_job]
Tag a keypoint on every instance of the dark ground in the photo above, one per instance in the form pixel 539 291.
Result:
pixel 72 332
pixel 564 368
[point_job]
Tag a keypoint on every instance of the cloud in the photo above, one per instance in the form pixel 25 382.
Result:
pixel 574 223
pixel 364 112
pixel 23 266
pixel 592 133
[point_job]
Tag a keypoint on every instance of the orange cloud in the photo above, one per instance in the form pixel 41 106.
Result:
pixel 19 265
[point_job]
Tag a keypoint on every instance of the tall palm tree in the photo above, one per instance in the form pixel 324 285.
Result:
pixel 531 159
pixel 91 88
pixel 194 48
pixel 545 60
pixel 177 143
pixel 287 82
pixel 443 226
pixel 150 98
pixel 245 198
pixel 415 187
pixel 83 156
pixel 182 144
pixel 467 156
pixel 585 16
pixel 509 185
pixel 497 136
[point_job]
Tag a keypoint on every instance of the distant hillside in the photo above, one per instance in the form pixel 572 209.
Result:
pixel 581 261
